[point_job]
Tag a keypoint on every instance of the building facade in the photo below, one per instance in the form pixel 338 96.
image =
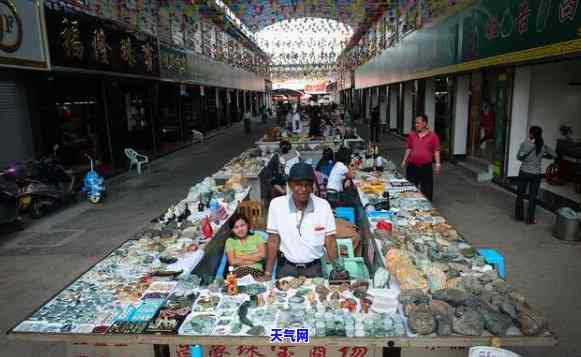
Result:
pixel 483 74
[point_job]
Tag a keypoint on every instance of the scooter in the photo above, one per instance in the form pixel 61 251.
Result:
pixel 43 184
pixel 93 184
pixel 9 208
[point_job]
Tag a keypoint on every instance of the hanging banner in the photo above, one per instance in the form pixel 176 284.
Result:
pixel 316 87
pixel 22 41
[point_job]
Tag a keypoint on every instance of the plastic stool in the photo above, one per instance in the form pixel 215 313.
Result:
pixel 494 258
pixel 197 351
pixel 347 213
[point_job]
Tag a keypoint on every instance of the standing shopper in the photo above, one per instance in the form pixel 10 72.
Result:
pixel 531 154
pixel 423 146
pixel 247 118
pixel 374 125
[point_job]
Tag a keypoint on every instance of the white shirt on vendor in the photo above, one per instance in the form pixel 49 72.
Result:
pixel 337 177
pixel 302 233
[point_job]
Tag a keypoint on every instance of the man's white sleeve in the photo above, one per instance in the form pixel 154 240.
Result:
pixel 330 229
pixel 272 223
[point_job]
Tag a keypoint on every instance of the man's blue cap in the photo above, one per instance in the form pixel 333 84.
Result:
pixel 301 171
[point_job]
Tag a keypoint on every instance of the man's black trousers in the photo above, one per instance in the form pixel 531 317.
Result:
pixel 423 177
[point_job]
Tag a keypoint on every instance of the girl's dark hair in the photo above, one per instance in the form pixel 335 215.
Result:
pixel 285 147
pixel 537 133
pixel 328 155
pixel 235 218
pixel 343 155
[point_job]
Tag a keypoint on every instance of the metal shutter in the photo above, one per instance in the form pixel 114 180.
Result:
pixel 15 132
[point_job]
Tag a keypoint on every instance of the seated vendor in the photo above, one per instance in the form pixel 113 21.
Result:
pixel 301 227
pixel 245 250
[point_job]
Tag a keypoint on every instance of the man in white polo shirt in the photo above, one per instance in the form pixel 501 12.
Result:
pixel 301 228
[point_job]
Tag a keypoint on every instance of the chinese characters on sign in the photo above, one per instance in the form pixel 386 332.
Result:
pixel 219 351
pixel 492 28
pixel 127 53
pixel 287 351
pixel 357 351
pixel 148 57
pixel 568 10
pixel 100 47
pixel 71 42
pixel 299 335
pixel 249 351
pixel 523 17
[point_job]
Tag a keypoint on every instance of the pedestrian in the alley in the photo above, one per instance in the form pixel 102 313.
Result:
pixel 531 154
pixel 423 148
pixel 374 125
pixel 297 124
pixel 247 121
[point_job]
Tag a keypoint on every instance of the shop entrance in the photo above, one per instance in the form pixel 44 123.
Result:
pixel 73 117
pixel 488 116
pixel 192 106
pixel 444 89
pixel 168 126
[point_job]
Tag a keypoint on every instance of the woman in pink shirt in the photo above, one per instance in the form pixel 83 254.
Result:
pixel 423 146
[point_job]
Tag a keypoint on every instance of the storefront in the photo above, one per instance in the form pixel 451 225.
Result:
pixel 117 109
pixel 549 95
pixel 23 57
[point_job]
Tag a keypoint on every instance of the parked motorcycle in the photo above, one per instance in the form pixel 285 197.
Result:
pixel 8 201
pixel 93 184
pixel 43 184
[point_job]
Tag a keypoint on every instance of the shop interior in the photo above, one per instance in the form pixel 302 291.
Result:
pixel 72 117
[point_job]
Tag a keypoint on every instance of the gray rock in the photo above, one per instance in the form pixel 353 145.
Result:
pixel 508 309
pixel 496 322
pixel 531 322
pixel 442 308
pixel 454 297
pixel 444 325
pixel 412 299
pixel 256 331
pixel 422 322
pixel 469 323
